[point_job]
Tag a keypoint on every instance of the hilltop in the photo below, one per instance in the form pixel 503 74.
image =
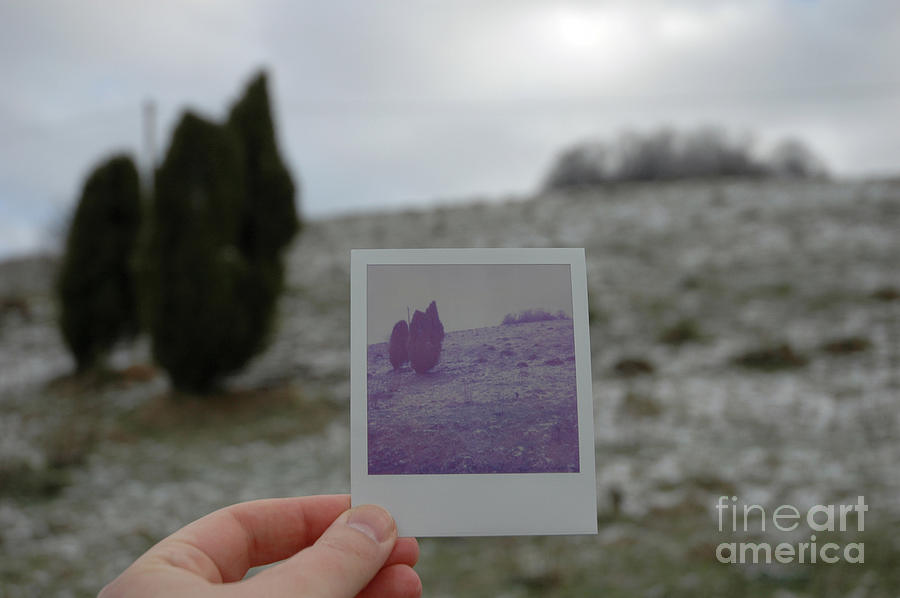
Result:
pixel 744 342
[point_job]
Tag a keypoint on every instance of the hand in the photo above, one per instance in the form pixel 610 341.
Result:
pixel 330 552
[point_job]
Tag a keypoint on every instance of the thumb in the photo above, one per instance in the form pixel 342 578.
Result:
pixel 341 562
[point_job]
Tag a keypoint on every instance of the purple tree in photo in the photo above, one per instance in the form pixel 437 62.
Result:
pixel 426 334
pixel 432 313
pixel 397 349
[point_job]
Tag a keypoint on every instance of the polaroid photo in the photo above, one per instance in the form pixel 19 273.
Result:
pixel 471 405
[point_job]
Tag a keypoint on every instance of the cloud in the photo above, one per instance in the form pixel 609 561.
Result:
pixel 391 102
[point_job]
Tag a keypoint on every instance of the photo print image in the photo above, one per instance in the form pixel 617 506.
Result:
pixel 471 369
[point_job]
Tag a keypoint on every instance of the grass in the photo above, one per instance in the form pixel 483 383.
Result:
pixel 84 386
pixel 681 332
pixel 77 421
pixel 64 441
pixel 663 554
pixel 640 405
pixel 270 412
pixel 846 344
pixel 631 366
pixel 779 356
pixel 22 482
pixel 886 293
pixel 276 414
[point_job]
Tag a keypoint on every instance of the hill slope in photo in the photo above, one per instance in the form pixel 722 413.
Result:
pixel 502 399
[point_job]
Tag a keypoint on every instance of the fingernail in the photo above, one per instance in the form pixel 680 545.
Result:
pixel 373 521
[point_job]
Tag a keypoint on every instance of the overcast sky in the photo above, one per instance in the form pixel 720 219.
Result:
pixel 398 103
pixel 467 295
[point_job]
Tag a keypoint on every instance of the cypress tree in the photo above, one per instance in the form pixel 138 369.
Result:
pixel 198 278
pixel 398 350
pixel 426 335
pixel 223 213
pixel 268 215
pixel 95 286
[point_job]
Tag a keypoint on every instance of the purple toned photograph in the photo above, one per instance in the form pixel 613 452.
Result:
pixel 471 369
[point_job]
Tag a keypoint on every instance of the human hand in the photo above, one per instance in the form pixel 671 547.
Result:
pixel 330 552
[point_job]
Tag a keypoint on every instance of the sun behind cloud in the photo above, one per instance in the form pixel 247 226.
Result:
pixel 582 29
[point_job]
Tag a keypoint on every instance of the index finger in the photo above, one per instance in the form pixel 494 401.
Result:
pixel 223 545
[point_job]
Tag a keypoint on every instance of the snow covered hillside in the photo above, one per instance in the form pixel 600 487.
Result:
pixel 745 341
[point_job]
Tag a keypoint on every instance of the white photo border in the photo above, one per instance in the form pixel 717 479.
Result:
pixel 476 504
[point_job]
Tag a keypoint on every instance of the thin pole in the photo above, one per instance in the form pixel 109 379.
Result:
pixel 149 112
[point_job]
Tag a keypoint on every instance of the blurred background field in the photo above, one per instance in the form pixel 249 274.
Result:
pixel 730 167
pixel 764 317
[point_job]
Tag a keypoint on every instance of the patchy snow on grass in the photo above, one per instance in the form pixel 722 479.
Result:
pixel 751 264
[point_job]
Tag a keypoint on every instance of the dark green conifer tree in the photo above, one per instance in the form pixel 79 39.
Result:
pixel 223 213
pixel 95 286
pixel 269 215
pixel 197 276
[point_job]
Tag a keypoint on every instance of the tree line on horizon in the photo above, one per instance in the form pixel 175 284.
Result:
pixel 528 316
pixel 668 154
pixel 196 263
